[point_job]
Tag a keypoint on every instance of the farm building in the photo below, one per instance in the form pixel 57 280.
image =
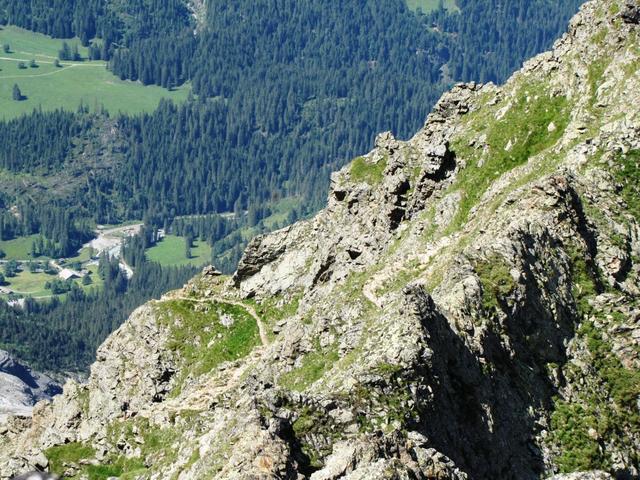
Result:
pixel 67 273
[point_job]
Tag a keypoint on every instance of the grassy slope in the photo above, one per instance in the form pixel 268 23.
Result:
pixel 51 87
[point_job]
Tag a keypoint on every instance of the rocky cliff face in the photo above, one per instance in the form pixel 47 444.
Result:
pixel 465 307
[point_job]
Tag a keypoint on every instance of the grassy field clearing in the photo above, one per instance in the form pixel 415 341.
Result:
pixel 30 284
pixel 430 5
pixel 73 83
pixel 171 252
pixel 19 248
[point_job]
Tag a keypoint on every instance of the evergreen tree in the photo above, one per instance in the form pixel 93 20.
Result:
pixel 16 93
pixel 65 52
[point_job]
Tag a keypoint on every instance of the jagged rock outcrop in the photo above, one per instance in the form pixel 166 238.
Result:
pixel 464 308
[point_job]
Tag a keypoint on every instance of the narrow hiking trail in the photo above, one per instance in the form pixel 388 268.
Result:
pixel 261 328
pixel 62 63
pixel 226 380
pixel 63 68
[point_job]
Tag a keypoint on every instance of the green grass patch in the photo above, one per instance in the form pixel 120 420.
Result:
pixel 365 171
pixel 30 284
pixel 606 407
pixel 584 281
pixel 171 251
pixel 314 365
pixel 596 76
pixel 608 411
pixel 18 248
pixel 273 309
pixel 71 453
pixel 73 83
pixel 496 281
pixel 84 255
pixel 628 174
pixel 520 134
pixel 74 453
pixel 201 338
pixel 571 425
pixel 96 280
pixel 622 383
pixel 37 45
pixel 430 5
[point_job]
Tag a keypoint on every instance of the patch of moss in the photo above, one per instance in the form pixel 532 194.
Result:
pixel 598 38
pixel 622 383
pixel 584 279
pixel 497 282
pixel 394 403
pixel 365 171
pixel 311 422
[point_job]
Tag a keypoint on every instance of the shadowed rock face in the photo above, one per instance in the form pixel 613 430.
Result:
pixel 466 307
pixel 631 13
pixel 21 388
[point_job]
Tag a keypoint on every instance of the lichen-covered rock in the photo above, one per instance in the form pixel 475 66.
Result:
pixel 464 307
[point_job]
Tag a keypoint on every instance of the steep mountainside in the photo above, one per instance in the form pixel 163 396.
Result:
pixel 465 307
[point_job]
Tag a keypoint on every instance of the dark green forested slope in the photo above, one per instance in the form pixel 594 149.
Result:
pixel 285 91
pixel 489 40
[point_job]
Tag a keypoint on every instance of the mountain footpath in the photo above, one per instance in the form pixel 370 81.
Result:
pixel 465 307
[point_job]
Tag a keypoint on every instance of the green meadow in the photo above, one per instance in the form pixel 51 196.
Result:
pixel 171 251
pixel 430 5
pixel 71 84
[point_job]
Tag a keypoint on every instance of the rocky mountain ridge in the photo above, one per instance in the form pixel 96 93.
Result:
pixel 465 307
